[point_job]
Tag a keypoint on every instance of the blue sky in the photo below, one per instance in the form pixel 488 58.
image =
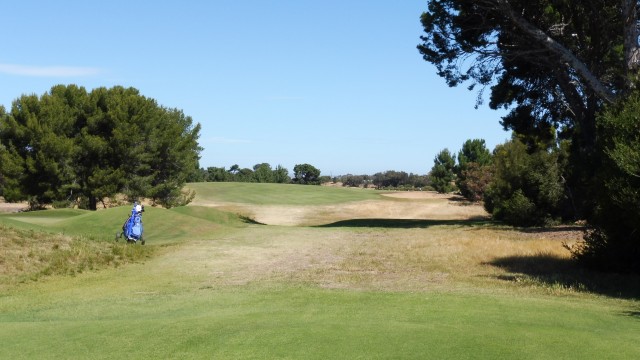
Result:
pixel 336 84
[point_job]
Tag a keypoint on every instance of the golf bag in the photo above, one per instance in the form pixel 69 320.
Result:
pixel 132 229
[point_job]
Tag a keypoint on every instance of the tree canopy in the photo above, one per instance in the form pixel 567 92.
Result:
pixel 473 172
pixel 442 173
pixel 552 63
pixel 556 66
pixel 70 144
pixel 306 174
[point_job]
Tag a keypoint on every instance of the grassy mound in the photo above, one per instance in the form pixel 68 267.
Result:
pixel 70 241
pixel 28 255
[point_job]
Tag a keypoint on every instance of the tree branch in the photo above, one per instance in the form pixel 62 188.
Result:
pixel 630 20
pixel 556 48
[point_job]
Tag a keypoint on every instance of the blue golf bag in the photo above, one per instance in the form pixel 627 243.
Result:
pixel 132 229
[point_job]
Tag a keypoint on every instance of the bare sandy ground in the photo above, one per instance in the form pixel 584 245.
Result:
pixel 420 205
pixel 6 207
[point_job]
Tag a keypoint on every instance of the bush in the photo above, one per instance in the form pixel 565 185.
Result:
pixel 518 210
pixel 442 175
pixel 526 188
pixel 474 180
pixel 613 241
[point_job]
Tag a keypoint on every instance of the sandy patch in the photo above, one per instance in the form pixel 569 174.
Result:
pixel 6 207
pixel 401 205
pixel 422 195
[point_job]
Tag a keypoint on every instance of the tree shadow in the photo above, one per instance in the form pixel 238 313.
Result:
pixel 462 201
pixel 552 229
pixel 567 273
pixel 405 223
pixel 248 220
pixel 633 313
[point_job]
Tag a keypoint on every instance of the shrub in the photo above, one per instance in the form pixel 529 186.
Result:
pixel 474 180
pixel 518 210
pixel 613 241
pixel 442 175
pixel 527 182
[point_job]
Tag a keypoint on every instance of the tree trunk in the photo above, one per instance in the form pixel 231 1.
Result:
pixel 93 204
pixel 631 50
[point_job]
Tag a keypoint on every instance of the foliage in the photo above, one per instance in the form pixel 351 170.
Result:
pixel 38 149
pixel 281 175
pixel 261 173
pixel 473 151
pixel 554 66
pixel 390 179
pixel 474 180
pixel 306 174
pixel 70 145
pixel 613 243
pixel 442 173
pixel 350 180
pixel 473 171
pixel 526 188
pixel 548 61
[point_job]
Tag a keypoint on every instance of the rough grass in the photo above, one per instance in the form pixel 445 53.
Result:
pixel 27 255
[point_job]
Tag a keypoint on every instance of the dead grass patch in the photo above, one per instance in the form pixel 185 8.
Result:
pixel 415 241
pixel 435 258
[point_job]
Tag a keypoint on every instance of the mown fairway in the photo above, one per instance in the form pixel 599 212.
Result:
pixel 305 273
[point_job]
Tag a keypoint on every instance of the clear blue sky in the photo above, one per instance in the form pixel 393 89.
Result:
pixel 336 84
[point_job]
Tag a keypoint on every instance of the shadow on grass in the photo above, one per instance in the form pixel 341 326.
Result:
pixel 542 230
pixel 566 273
pixel 248 220
pixel 406 223
pixel 633 313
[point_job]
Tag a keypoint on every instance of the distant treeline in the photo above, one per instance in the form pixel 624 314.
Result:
pixel 305 174
pixel 264 173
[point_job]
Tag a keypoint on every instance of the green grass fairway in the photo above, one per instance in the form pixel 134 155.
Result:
pixel 215 285
pixel 279 194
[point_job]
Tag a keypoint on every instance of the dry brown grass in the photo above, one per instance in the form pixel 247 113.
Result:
pixel 401 205
pixel 408 251
pixel 6 207
pixel 443 257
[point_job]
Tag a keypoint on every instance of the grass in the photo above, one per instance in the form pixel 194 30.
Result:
pixel 27 255
pixel 280 194
pixel 219 286
pixel 296 323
